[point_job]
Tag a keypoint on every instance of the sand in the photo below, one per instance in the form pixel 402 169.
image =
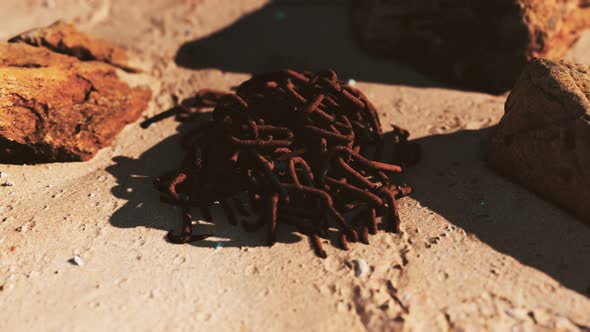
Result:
pixel 477 252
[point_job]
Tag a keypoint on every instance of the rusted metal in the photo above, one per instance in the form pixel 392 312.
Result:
pixel 294 143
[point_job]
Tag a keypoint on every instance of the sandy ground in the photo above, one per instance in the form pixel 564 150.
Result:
pixel 476 253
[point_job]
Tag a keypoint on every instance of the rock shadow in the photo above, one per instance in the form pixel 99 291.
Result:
pixel 454 181
pixel 302 35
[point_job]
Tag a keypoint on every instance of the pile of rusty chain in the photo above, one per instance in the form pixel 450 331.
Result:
pixel 294 146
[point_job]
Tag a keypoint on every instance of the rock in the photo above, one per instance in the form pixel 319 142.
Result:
pixel 77 260
pixel 477 44
pixel 64 38
pixel 55 107
pixel 543 139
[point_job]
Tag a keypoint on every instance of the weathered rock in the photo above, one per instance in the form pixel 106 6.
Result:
pixel 54 107
pixel 65 38
pixel 477 44
pixel 543 140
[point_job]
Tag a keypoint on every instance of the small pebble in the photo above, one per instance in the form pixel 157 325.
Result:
pixel 91 195
pixel 517 313
pixel 219 246
pixel 77 260
pixel 360 267
pixel 8 183
pixel 49 4
pixel 6 287
pixel 23 228
pixel 3 175
pixel 351 82
pixel 451 228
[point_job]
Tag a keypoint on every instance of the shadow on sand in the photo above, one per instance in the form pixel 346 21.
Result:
pixel 302 35
pixel 143 207
pixel 452 180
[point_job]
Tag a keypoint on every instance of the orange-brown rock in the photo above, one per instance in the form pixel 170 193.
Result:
pixel 477 44
pixel 543 140
pixel 54 107
pixel 65 38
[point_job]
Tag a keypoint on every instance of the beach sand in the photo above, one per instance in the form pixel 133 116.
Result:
pixel 476 252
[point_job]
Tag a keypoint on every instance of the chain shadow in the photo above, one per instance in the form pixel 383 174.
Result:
pixel 303 34
pixel 144 209
pixel 453 180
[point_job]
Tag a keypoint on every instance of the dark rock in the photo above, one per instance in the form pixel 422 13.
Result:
pixel 477 44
